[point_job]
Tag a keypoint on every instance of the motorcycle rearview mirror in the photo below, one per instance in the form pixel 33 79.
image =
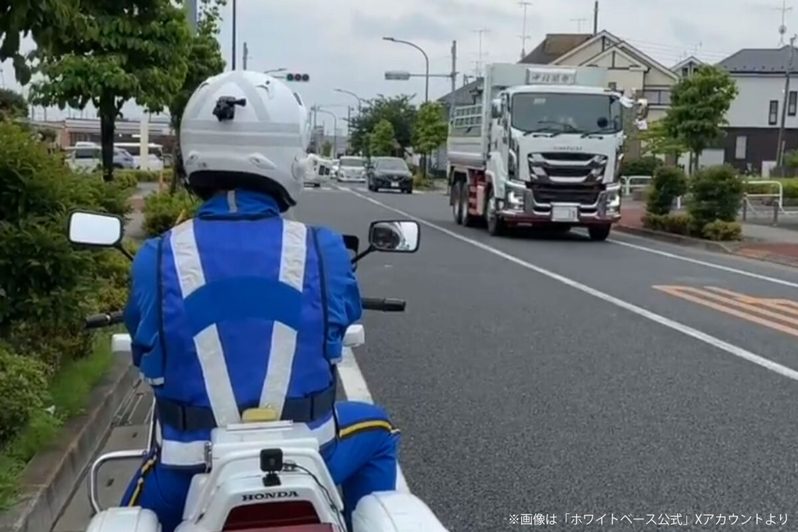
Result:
pixel 96 230
pixel 394 236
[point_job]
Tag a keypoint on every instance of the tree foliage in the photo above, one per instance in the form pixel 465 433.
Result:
pixel 12 105
pixel 699 104
pixel 382 139
pixel 204 60
pixel 44 20
pixel 131 50
pixel 656 140
pixel 431 128
pixel 398 111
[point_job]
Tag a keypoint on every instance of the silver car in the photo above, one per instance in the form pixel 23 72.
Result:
pixel 351 170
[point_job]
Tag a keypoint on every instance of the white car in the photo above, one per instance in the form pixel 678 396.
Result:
pixel 352 170
pixel 320 171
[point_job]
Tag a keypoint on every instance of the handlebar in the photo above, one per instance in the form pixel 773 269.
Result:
pixel 384 305
pixel 103 320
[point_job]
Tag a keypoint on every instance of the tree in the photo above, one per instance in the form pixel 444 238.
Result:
pixel 382 139
pixel 657 141
pixel 699 104
pixel 327 148
pixel 430 131
pixel 397 110
pixel 204 60
pixel 12 105
pixel 44 20
pixel 133 50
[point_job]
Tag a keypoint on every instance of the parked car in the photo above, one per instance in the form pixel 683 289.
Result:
pixel 351 169
pixel 87 157
pixel 389 172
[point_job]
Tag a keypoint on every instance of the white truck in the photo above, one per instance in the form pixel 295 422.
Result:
pixel 543 148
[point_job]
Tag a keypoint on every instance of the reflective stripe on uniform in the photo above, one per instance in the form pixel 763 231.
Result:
pixel 284 339
pixel 379 424
pixel 207 342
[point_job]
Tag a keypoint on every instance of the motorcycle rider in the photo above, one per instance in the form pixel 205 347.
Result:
pixel 240 308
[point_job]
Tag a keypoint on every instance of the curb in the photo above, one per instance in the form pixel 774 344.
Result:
pixel 678 239
pixel 49 480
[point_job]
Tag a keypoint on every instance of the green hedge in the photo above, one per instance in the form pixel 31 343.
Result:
pixel 684 224
pixel 790 187
pixel 641 166
pixel 47 285
pixel 667 184
pixel 142 176
pixel 162 211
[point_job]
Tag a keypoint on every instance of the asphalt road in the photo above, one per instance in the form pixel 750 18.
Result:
pixel 532 374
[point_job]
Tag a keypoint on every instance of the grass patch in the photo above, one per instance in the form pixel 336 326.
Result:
pixel 69 392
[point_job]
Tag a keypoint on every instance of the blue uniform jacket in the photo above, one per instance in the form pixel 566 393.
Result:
pixel 343 301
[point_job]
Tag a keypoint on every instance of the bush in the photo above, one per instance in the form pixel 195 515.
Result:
pixel 642 166
pixel 668 184
pixel 139 176
pixel 161 211
pixel 716 193
pixel 679 224
pixel 22 389
pixel 48 286
pixel 722 231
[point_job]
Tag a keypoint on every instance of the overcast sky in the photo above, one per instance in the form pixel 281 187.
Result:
pixel 339 42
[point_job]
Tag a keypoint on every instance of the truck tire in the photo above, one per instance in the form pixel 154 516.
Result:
pixel 599 233
pixel 496 226
pixel 468 219
pixel 457 205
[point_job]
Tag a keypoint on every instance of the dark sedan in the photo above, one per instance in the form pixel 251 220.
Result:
pixel 389 172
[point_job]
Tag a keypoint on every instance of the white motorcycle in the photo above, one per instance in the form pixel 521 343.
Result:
pixel 261 476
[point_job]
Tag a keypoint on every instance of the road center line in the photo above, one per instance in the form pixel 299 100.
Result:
pixel 657 318
pixel 705 263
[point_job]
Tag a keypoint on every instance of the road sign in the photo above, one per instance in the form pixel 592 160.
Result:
pixel 397 75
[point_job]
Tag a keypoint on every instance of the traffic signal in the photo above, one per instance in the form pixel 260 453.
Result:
pixel 297 77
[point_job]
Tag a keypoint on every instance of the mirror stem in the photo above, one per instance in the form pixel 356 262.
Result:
pixel 125 252
pixel 359 256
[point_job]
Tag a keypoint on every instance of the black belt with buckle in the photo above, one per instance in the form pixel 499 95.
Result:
pixel 193 418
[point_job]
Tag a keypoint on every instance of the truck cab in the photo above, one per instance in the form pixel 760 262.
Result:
pixel 550 152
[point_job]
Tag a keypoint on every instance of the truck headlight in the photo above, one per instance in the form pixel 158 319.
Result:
pixel 613 198
pixel 618 164
pixel 515 198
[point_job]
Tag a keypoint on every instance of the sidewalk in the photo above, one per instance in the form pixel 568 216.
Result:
pixel 763 242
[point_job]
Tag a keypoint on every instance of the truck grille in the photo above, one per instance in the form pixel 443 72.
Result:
pixel 575 167
pixel 584 195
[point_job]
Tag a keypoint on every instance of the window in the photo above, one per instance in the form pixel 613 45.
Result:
pixel 741 147
pixel 773 113
pixel 657 97
pixel 613 86
pixel 792 105
pixel 685 72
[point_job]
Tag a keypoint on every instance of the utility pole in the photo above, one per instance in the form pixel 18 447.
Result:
pixel 454 80
pixel 595 17
pixel 246 55
pixel 780 147
pixel 191 14
pixel 524 36
pixel 234 35
pixel 480 32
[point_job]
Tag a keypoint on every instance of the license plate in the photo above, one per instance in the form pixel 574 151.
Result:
pixel 394 185
pixel 562 213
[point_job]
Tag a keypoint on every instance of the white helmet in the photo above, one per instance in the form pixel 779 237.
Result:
pixel 249 130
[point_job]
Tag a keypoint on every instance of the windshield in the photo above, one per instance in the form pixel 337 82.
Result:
pixel 566 113
pixel 391 164
pixel 352 163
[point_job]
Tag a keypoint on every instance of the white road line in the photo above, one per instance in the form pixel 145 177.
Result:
pixel 356 389
pixel 657 318
pixel 674 256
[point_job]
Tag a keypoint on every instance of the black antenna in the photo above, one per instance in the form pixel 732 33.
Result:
pixel 226 107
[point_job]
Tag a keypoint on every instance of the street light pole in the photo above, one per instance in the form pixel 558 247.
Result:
pixel 785 103
pixel 335 128
pixel 350 93
pixel 426 59
pixel 234 35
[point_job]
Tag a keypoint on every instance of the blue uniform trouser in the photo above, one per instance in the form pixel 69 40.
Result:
pixel 361 461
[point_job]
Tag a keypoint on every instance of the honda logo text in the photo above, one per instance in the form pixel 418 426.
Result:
pixel 269 495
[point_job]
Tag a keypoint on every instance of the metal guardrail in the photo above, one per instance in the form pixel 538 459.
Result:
pixel 629 183
pixel 777 197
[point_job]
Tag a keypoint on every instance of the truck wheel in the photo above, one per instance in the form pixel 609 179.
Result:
pixel 495 224
pixel 457 205
pixel 599 233
pixel 468 219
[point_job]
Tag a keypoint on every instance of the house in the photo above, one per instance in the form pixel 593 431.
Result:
pixel 686 67
pixel 755 115
pixel 629 69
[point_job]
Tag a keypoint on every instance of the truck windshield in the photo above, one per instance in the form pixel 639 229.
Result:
pixel 566 113
pixel 352 162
